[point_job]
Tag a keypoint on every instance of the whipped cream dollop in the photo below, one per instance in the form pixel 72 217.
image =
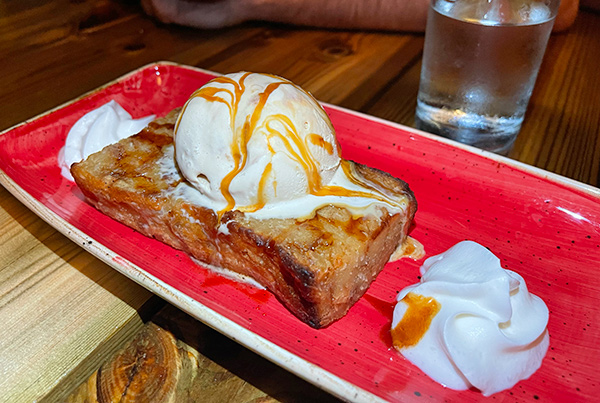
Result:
pixel 469 322
pixel 260 144
pixel 95 130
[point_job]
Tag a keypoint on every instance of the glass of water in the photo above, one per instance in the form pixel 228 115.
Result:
pixel 480 62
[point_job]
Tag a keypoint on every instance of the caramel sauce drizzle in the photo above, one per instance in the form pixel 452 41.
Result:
pixel 297 149
pixel 416 320
pixel 240 141
pixel 305 158
pixel 240 152
pixel 340 191
pixel 319 141
pixel 260 203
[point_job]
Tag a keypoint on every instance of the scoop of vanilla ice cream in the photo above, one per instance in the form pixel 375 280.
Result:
pixel 247 139
pixel 489 332
pixel 95 130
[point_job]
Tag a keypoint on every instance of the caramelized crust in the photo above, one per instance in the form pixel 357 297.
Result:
pixel 318 268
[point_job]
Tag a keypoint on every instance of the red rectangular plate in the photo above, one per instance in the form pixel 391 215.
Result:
pixel 541 225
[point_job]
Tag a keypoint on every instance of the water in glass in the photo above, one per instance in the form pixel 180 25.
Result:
pixel 479 69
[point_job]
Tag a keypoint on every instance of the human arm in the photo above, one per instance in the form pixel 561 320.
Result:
pixel 389 15
pixel 386 15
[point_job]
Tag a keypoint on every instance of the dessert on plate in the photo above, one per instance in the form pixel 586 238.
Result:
pixel 248 176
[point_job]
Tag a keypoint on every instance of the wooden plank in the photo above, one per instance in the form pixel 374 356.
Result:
pixel 38 78
pixel 61 309
pixel 561 131
pixel 398 102
pixel 341 67
pixel 205 366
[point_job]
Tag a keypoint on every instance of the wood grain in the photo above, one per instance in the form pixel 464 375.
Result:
pixel 561 132
pixel 61 309
pixel 206 367
pixel 153 367
pixel 97 44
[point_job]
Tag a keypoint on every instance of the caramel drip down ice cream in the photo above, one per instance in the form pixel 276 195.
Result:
pixel 259 144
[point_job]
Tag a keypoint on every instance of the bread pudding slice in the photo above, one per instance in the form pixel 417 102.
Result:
pixel 317 267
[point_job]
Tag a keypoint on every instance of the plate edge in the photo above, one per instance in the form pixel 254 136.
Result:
pixel 536 171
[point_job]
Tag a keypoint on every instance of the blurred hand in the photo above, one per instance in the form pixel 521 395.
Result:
pixel 207 14
pixel 389 15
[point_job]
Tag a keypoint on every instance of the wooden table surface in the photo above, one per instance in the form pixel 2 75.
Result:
pixel 64 313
